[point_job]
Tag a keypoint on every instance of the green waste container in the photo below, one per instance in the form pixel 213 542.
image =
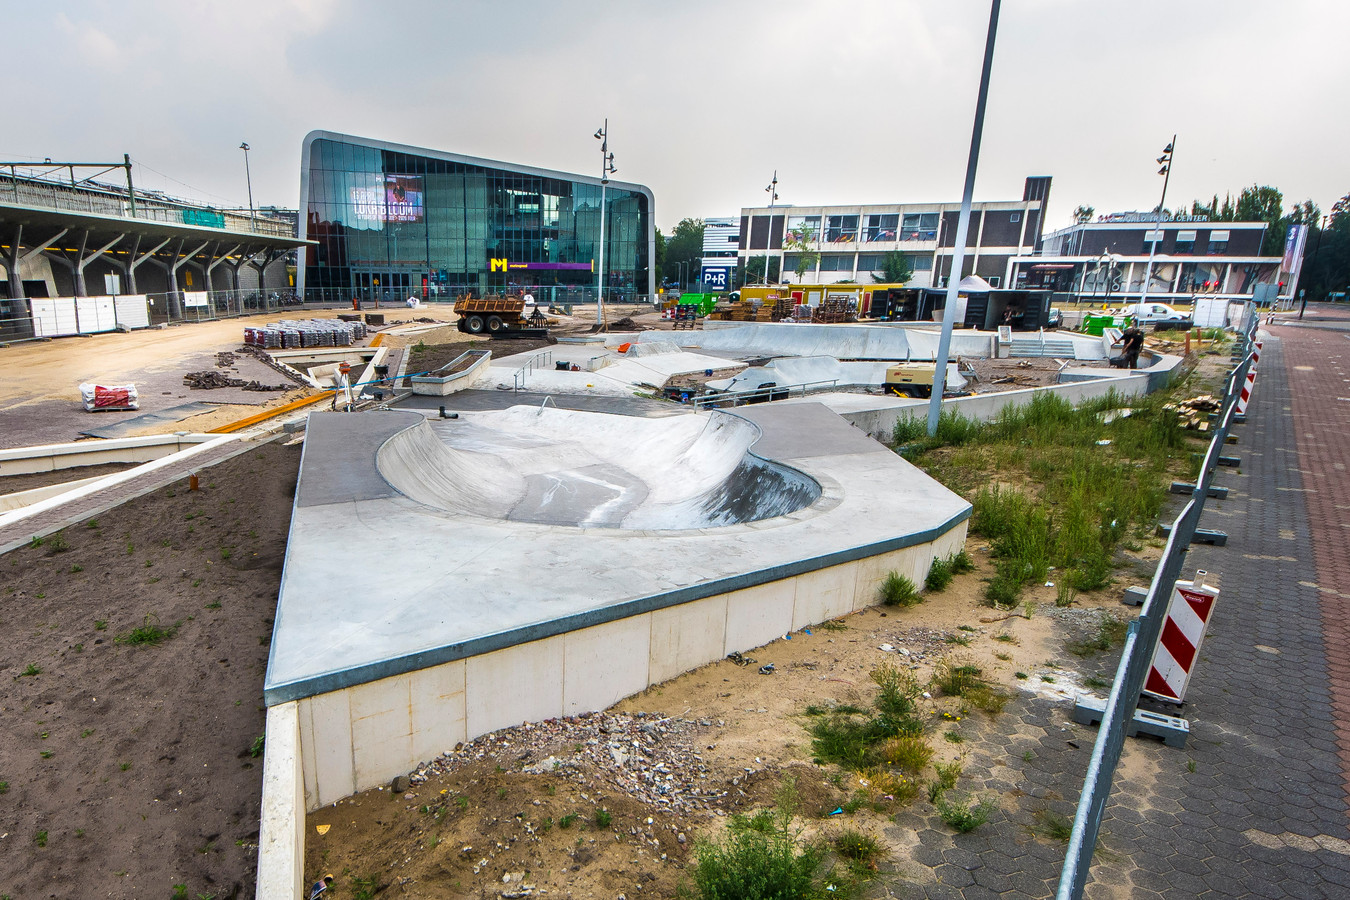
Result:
pixel 1095 325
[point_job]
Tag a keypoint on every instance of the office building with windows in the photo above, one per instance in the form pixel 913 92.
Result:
pixel 721 239
pixel 391 221
pixel 848 243
pixel 1105 260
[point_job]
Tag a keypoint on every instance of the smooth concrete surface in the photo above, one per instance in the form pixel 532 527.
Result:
pixel 358 737
pixel 51 457
pixel 607 372
pixel 476 374
pixel 561 467
pixel 281 835
pixel 451 585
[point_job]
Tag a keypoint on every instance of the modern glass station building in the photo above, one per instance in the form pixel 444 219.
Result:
pixel 392 221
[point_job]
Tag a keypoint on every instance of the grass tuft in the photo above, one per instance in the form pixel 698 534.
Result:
pixel 148 634
pixel 897 590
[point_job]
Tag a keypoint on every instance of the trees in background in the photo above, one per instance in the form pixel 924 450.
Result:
pixel 684 247
pixel 896 268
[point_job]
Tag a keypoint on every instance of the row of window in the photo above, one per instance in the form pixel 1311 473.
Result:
pixel 844 262
pixel 876 227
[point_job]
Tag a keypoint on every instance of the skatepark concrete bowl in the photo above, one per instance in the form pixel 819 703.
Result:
pixel 562 467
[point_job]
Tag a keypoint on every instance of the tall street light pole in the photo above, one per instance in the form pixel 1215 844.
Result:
pixel 1166 171
pixel 962 229
pixel 252 226
pixel 606 169
pixel 772 191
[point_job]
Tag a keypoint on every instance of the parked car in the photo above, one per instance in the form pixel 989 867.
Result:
pixel 1159 315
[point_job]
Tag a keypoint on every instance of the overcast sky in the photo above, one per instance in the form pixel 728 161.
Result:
pixel 852 101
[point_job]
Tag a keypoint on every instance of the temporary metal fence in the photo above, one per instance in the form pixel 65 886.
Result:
pixel 1141 640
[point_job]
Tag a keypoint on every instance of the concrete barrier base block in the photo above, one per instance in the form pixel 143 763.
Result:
pixel 1231 461
pixel 1185 487
pixel 1201 536
pixel 1134 596
pixel 1172 729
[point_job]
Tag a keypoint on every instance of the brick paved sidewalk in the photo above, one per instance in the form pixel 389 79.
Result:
pixel 44 523
pixel 1256 805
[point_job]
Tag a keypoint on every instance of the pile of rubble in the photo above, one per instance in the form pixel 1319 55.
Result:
pixel 650 757
pixel 1194 413
pixel 212 380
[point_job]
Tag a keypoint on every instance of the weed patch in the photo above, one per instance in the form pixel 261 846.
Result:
pixel 960 816
pixel 149 633
pixel 897 590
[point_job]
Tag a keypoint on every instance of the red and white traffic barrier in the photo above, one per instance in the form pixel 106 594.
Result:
pixel 1183 632
pixel 1256 353
pixel 1246 394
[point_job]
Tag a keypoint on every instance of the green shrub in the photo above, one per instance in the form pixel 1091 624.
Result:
pixel 897 590
pixel 939 575
pixel 962 563
pixel 757 857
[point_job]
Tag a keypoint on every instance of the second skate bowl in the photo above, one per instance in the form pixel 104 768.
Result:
pixel 569 468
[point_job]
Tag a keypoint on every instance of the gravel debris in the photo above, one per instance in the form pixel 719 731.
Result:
pixel 650 757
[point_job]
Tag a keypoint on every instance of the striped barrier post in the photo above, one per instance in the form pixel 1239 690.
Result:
pixel 1179 643
pixel 1240 413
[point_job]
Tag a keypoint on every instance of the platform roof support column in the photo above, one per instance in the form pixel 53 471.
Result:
pixel 137 260
pixel 86 259
pixel 181 260
pixel 220 257
pixel 175 307
pixel 11 262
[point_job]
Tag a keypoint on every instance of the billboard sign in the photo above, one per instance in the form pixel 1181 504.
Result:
pixel 393 198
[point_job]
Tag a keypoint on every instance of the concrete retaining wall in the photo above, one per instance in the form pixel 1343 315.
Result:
pixel 878 419
pixel 362 736
pixel 51 457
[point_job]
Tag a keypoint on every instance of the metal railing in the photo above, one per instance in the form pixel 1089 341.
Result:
pixel 534 362
pixel 51 193
pixel 1140 642
pixel 760 394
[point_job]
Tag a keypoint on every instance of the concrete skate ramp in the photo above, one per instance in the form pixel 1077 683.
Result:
pixel 562 467
pixel 842 342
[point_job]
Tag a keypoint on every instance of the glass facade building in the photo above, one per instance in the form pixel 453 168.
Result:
pixel 392 221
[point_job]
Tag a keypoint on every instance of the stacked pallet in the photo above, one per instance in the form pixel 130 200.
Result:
pixel 1194 413
pixel 298 333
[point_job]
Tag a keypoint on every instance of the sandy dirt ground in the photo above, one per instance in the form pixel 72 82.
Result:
pixel 128 768
pixel 39 381
pixel 607 805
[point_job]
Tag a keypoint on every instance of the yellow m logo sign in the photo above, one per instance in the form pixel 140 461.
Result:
pixel 499 265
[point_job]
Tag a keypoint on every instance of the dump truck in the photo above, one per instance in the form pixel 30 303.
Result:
pixel 499 316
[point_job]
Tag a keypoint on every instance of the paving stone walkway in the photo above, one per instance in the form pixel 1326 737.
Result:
pixel 1256 804
pixel 44 523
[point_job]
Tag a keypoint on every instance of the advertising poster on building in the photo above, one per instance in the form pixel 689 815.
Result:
pixel 393 198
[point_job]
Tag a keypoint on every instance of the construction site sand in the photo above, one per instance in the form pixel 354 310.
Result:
pixel 463 832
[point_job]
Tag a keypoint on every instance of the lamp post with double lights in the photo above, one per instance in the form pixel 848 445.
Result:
pixel 248 176
pixel 606 169
pixel 772 191
pixel 1166 171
